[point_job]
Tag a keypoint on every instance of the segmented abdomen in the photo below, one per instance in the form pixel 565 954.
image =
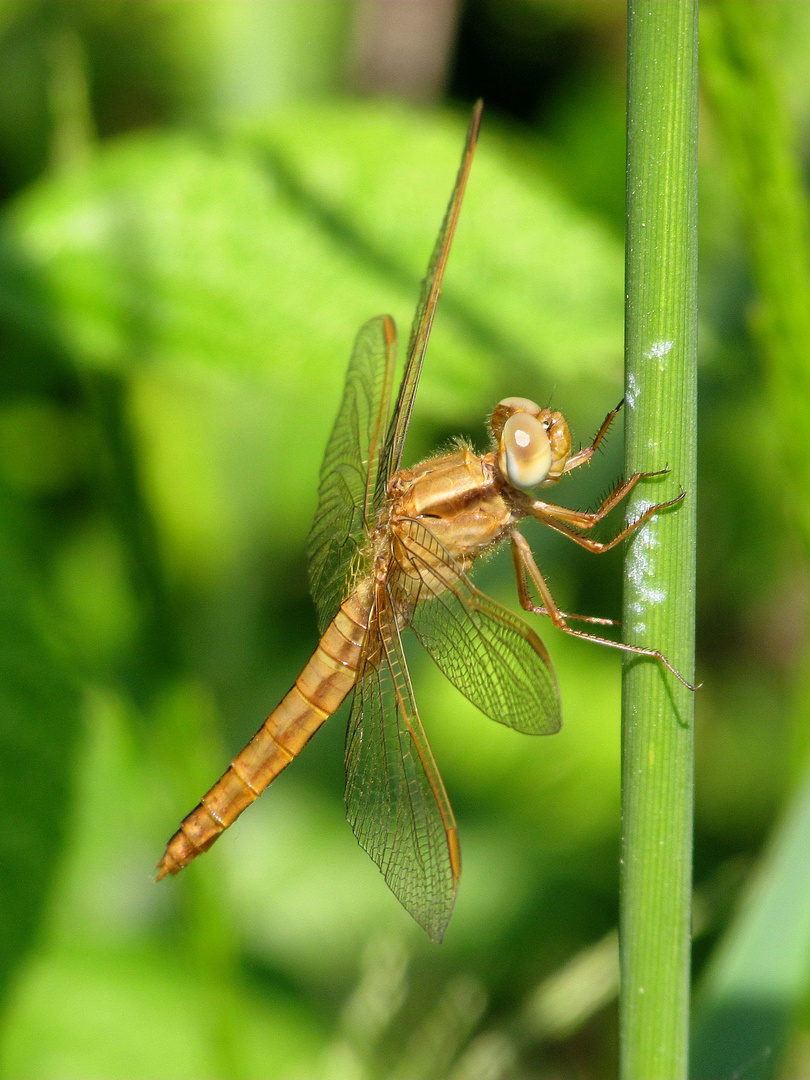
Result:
pixel 317 693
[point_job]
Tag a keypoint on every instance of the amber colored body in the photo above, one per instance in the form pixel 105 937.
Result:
pixel 468 506
pixel 461 498
pixel 316 694
pixel 390 548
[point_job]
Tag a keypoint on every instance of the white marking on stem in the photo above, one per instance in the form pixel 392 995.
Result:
pixel 642 571
pixel 639 508
pixel 631 391
pixel 659 351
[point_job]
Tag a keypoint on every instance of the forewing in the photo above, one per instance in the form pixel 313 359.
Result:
pixel 395 799
pixel 423 319
pixel 489 654
pixel 336 545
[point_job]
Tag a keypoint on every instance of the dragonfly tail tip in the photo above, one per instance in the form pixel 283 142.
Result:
pixel 165 867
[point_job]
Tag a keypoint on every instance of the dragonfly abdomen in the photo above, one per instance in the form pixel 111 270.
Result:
pixel 318 691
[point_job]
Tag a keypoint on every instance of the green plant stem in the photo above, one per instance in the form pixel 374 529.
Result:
pixel 658 711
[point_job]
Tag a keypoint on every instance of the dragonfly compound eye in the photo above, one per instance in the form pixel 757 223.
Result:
pixel 506 408
pixel 524 455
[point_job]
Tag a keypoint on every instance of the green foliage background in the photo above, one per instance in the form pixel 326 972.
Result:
pixel 198 213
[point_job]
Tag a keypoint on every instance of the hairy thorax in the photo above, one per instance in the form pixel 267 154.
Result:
pixel 458 497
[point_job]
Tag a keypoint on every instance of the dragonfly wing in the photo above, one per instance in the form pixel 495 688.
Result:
pixel 395 799
pixel 493 657
pixel 336 545
pixel 423 319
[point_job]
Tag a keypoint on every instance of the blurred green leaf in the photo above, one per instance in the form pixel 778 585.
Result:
pixel 532 276
pixel 134 978
pixel 225 283
pixel 759 973
pixel 134 1012
pixel 750 107
pixel 38 729
pixel 760 969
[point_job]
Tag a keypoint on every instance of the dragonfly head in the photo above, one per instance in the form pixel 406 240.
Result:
pixel 533 444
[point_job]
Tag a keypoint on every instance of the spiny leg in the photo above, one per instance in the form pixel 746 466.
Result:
pixel 586 519
pixel 596 547
pixel 587 453
pixel 521 552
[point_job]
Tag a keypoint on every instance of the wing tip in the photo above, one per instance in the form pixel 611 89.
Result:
pixel 436 925
pixel 436 933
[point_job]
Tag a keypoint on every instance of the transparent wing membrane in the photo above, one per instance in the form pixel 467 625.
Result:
pixel 395 799
pixel 336 545
pixel 423 319
pixel 489 654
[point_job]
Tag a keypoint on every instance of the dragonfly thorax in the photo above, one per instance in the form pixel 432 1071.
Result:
pixel 459 498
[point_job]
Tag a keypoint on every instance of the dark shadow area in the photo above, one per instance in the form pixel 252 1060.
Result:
pixel 737 1041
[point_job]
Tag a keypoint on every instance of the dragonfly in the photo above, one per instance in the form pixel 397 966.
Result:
pixel 391 548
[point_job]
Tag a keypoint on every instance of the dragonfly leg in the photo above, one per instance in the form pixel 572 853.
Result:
pixel 583 519
pixel 599 548
pixel 587 453
pixel 528 569
pixel 526 600
pixel 567 522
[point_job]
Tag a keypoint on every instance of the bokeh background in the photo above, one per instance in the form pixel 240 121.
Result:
pixel 201 203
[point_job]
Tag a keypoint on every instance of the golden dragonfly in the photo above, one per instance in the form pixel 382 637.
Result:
pixel 391 548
